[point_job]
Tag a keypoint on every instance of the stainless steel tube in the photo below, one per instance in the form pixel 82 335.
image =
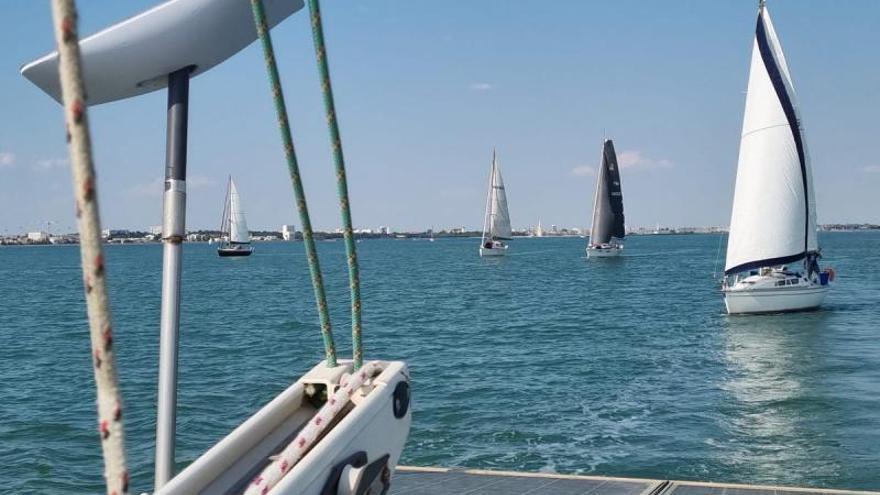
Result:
pixel 173 231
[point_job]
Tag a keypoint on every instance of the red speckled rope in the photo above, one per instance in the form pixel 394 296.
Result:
pixel 94 275
pixel 305 440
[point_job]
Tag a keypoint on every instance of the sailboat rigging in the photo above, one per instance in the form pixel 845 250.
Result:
pixel 608 230
pixel 496 224
pixel 234 234
pixel 341 427
pixel 773 222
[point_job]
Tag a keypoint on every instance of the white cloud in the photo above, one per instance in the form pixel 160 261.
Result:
pixel 481 86
pixel 155 187
pixel 7 159
pixel 51 163
pixel 871 169
pixel 583 171
pixel 634 158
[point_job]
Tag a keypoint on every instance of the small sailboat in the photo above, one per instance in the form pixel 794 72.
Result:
pixel 772 252
pixel 496 226
pixel 607 231
pixel 235 237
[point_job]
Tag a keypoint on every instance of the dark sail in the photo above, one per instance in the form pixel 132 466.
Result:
pixel 608 221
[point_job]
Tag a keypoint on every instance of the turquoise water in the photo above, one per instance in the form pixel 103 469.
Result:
pixel 539 361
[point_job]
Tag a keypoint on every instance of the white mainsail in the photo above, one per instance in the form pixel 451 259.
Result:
pixel 774 208
pixel 497 224
pixel 238 229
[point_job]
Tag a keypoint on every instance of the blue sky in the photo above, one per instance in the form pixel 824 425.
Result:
pixel 425 89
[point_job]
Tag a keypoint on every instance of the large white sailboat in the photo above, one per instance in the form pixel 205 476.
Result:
pixel 235 237
pixel 772 251
pixel 496 225
pixel 607 231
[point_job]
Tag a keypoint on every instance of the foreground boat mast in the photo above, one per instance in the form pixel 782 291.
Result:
pixel 173 232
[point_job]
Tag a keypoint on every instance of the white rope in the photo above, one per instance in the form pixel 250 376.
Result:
pixel 94 275
pixel 349 384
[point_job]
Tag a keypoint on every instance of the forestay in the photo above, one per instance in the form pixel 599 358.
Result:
pixel 608 220
pixel 774 211
pixel 238 229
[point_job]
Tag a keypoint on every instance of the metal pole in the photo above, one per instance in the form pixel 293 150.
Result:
pixel 173 224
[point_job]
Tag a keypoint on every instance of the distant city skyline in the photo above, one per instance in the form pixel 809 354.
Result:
pixel 424 93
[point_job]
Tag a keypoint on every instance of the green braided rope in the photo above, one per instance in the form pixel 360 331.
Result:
pixel 299 193
pixel 341 183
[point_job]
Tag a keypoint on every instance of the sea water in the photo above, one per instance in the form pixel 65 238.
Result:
pixel 538 361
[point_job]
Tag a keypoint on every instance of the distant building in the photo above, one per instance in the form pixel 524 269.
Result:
pixel 288 232
pixel 38 236
pixel 196 237
pixel 111 233
pixel 384 230
pixel 155 229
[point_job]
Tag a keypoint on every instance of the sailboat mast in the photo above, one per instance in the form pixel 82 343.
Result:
pixel 487 217
pixel 224 217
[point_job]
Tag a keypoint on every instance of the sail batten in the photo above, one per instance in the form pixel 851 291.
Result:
pixel 608 219
pixel 774 215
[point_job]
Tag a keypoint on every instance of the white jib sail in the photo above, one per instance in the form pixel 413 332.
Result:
pixel 238 229
pixel 774 210
pixel 499 217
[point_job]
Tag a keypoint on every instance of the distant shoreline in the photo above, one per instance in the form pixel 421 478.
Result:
pixel 331 237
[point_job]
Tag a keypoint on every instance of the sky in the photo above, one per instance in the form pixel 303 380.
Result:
pixel 426 89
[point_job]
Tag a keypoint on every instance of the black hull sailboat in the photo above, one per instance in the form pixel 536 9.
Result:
pixel 236 239
pixel 235 250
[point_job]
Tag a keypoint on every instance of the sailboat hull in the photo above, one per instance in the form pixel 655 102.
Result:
pixel 236 251
pixel 610 252
pixel 774 300
pixel 492 252
pixel 374 429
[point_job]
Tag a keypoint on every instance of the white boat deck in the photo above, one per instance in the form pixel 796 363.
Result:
pixel 437 481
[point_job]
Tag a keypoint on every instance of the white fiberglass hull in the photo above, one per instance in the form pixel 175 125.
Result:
pixel 487 252
pixel 774 300
pixel 373 431
pixel 604 252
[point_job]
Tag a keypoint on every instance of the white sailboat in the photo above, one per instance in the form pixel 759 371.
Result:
pixel 607 231
pixel 772 251
pixel 235 237
pixel 496 225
